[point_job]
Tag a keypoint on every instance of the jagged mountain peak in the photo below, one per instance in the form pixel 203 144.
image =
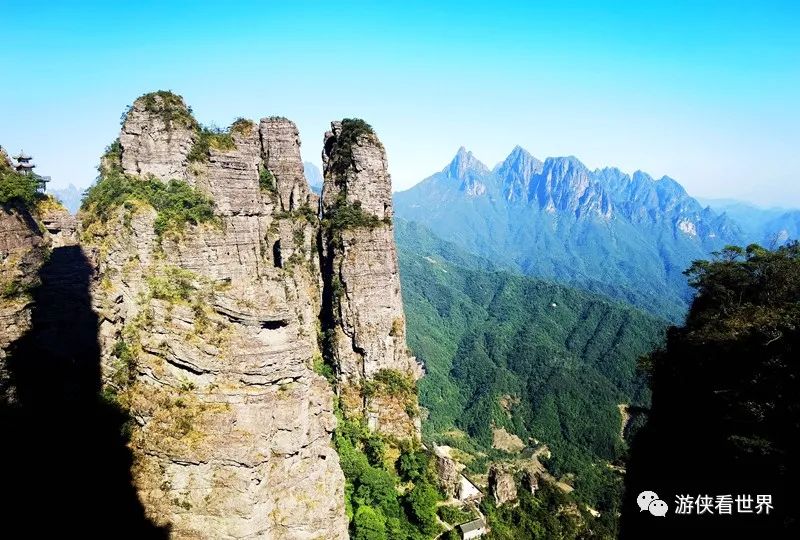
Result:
pixel 519 160
pixel 641 176
pixel 609 172
pixel 664 185
pixel 463 163
pixel 516 171
pixel 565 164
pixel 564 184
pixel 668 180
pixel 519 152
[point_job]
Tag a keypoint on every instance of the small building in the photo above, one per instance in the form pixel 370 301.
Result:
pixel 473 529
pixel 23 165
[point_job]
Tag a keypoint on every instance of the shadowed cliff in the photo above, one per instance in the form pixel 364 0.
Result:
pixel 64 454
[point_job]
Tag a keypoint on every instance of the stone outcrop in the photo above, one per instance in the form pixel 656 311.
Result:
pixel 448 473
pixel 28 233
pixel 209 337
pixel 281 143
pixel 530 480
pixel 5 160
pixel 501 484
pixel 158 133
pixel 61 226
pixel 362 278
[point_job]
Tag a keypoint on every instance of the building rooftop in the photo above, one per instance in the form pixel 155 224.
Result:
pixel 473 525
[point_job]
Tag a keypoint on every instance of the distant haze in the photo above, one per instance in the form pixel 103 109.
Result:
pixel 705 92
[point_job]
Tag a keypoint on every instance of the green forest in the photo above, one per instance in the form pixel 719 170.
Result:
pixel 545 362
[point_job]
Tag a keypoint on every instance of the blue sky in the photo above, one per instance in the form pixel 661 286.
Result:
pixel 706 92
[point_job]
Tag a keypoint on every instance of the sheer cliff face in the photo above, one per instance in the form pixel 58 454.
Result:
pixel 22 253
pixel 367 320
pixel 281 143
pixel 209 337
pixel 24 244
pixel 158 137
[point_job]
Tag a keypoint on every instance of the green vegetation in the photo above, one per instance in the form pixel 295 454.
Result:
pixel 12 289
pixel 726 385
pixel 176 202
pixel 173 284
pixel 126 356
pixel 17 188
pixel 208 137
pixel 454 515
pixel 345 215
pixel 352 129
pixel 111 161
pixel 350 216
pixel 541 360
pixel 302 212
pixel 323 368
pixel 549 514
pixel 395 383
pixel 170 107
pixel 243 126
pixel 385 501
pixel 266 181
pixel 173 111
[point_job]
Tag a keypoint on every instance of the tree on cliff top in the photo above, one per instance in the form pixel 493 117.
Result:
pixel 16 187
pixel 726 398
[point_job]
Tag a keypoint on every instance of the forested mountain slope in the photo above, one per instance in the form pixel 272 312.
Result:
pixel 541 360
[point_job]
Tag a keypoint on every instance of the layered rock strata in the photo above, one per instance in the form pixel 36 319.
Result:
pixel 367 323
pixel 209 336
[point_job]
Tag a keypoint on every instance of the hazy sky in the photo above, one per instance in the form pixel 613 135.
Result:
pixel 706 92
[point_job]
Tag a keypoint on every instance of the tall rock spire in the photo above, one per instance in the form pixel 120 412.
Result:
pixel 366 324
pixel 233 427
pixel 281 145
pixel 158 133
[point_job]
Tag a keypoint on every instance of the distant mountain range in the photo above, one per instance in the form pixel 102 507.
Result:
pixel 69 196
pixel 766 226
pixel 626 236
pixel 313 176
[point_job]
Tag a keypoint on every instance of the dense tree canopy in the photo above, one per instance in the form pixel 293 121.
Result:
pixel 726 397
pixel 15 187
pixel 543 361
